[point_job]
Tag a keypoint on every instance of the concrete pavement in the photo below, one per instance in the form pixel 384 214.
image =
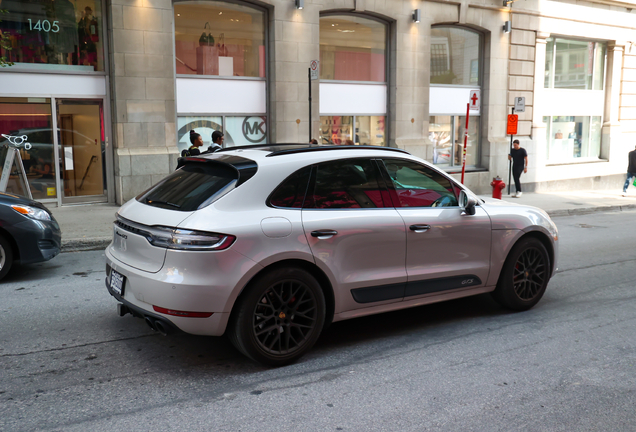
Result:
pixel 88 227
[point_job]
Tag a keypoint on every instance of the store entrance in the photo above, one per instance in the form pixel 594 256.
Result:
pixel 81 150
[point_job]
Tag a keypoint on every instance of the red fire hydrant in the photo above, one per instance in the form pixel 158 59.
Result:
pixel 497 186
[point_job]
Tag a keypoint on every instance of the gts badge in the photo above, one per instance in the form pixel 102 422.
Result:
pixel 468 281
pixel 124 236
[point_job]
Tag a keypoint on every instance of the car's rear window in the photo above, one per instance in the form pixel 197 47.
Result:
pixel 192 187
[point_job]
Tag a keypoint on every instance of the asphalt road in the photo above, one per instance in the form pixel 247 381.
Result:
pixel 69 363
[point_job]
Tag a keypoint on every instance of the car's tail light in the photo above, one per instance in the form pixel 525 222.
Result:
pixel 182 239
pixel 182 313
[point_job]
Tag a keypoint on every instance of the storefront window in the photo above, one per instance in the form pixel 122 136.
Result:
pixel 204 126
pixel 219 39
pixel 573 137
pixel 352 49
pixel 455 55
pixel 447 135
pixel 54 35
pixel 577 65
pixel 340 130
pixel 237 130
pixel 30 117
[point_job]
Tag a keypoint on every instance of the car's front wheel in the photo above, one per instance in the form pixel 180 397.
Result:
pixel 6 256
pixel 279 317
pixel 525 275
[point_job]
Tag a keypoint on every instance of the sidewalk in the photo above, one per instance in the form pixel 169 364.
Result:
pixel 90 227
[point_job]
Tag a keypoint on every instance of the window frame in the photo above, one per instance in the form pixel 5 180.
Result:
pixel 481 57
pixel 552 69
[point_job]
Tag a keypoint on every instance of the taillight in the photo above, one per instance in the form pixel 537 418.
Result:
pixel 182 239
pixel 182 313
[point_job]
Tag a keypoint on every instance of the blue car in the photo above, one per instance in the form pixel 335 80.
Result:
pixel 28 232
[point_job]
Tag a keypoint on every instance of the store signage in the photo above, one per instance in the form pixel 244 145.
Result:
pixel 313 67
pixel 520 104
pixel 45 26
pixel 474 100
pixel 254 129
pixel 513 121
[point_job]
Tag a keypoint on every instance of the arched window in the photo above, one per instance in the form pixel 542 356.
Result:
pixel 456 63
pixel 353 48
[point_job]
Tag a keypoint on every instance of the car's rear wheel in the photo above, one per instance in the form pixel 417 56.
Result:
pixel 6 257
pixel 279 317
pixel 525 275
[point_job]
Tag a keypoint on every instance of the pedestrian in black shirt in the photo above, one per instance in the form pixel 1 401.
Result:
pixel 519 158
pixel 631 170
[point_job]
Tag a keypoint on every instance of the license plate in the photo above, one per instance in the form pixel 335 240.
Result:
pixel 117 282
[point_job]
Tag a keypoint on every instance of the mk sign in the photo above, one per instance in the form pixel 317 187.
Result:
pixel 474 100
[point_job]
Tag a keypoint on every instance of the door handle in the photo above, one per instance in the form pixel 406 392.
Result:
pixel 324 234
pixel 419 228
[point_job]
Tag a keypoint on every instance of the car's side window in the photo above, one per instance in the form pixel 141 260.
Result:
pixel 291 192
pixel 419 186
pixel 347 183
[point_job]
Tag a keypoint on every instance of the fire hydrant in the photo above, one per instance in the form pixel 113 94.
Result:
pixel 497 186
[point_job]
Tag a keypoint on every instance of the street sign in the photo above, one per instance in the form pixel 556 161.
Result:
pixel 513 120
pixel 520 104
pixel 313 67
pixel 474 100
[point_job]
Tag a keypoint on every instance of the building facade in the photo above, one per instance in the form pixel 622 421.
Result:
pixel 107 90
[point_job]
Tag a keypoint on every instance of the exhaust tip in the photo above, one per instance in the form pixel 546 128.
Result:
pixel 151 323
pixel 161 327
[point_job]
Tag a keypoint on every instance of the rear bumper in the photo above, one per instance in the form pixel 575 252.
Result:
pixel 184 285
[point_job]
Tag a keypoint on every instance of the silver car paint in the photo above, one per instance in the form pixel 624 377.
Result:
pixel 211 281
pixel 367 251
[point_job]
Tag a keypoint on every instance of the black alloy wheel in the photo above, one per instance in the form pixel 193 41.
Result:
pixel 525 275
pixel 279 317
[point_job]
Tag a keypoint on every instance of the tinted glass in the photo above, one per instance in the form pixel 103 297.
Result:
pixel 419 186
pixel 351 183
pixel 291 192
pixel 190 187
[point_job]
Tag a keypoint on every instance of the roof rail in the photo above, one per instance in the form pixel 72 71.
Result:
pixel 334 147
pixel 257 146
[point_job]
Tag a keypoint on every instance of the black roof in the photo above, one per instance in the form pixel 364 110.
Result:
pixel 292 148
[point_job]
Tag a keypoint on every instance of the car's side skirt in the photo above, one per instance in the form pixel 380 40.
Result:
pixel 408 303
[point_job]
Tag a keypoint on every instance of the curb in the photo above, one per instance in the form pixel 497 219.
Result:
pixel 87 244
pixel 588 210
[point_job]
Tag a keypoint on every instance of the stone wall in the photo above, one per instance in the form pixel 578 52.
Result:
pixel 142 93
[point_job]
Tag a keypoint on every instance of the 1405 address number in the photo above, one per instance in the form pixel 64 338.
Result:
pixel 45 26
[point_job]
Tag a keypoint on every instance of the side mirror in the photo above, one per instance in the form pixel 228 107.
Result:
pixel 467 203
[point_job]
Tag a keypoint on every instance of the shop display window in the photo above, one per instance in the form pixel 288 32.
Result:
pixel 219 39
pixel 237 130
pixel 573 64
pixel 353 130
pixel 30 117
pixel 352 49
pixel 573 137
pixel 447 135
pixel 455 56
pixel 54 35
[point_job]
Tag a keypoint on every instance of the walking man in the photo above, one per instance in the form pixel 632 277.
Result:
pixel 519 158
pixel 631 170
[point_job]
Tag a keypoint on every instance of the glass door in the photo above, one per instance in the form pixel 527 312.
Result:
pixel 81 150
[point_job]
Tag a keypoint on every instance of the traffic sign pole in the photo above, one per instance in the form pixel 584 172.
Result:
pixel 309 79
pixel 465 141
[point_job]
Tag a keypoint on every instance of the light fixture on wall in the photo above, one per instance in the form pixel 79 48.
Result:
pixel 300 4
pixel 507 27
pixel 416 16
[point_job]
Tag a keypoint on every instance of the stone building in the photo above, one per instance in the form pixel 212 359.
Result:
pixel 124 81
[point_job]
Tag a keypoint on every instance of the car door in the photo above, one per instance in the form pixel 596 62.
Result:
pixel 356 236
pixel 445 249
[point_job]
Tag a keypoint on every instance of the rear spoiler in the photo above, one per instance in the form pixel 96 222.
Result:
pixel 246 168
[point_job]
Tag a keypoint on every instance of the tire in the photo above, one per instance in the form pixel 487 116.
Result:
pixel 6 257
pixel 279 317
pixel 524 276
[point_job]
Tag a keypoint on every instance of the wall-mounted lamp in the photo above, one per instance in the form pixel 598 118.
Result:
pixel 507 3
pixel 416 16
pixel 507 27
pixel 300 4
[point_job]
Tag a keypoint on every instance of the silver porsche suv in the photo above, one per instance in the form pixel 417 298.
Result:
pixel 270 244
